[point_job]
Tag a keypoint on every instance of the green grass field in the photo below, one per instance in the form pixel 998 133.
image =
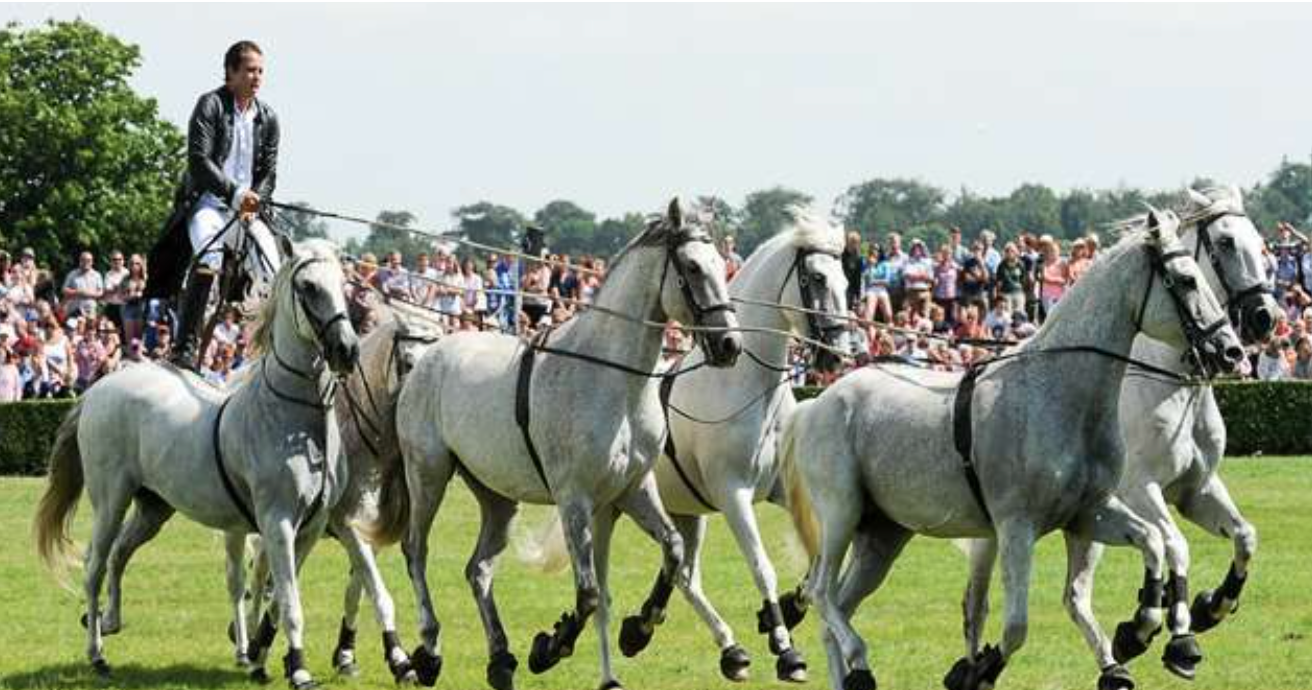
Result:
pixel 175 612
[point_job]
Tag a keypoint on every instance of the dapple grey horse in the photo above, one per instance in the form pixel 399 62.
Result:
pixel 590 427
pixel 1175 439
pixel 263 458
pixel 1015 448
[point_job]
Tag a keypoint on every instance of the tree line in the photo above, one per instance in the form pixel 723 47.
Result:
pixel 86 163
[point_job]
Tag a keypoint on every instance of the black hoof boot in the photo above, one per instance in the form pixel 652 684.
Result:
pixel 859 679
pixel 344 663
pixel 403 672
pixel 1115 677
pixel 501 670
pixel 101 668
pixel 790 666
pixel 1201 614
pixel 734 662
pixel 972 674
pixel 957 675
pixel 542 657
pixel 611 684
pixel 635 635
pixel 260 676
pixel 427 666
pixel 1126 645
pixel 793 608
pixel 1182 656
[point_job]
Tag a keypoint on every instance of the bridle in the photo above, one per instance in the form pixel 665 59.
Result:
pixel 1234 299
pixel 319 328
pixel 812 297
pixel 1196 334
pixel 674 241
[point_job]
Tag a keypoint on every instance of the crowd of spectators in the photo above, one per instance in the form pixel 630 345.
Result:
pixel 942 309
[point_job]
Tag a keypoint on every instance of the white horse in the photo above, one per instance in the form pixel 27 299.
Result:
pixel 720 452
pixel 590 425
pixel 1175 439
pixel 261 459
pixel 1016 448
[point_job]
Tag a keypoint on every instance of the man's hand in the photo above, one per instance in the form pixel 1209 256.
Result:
pixel 250 203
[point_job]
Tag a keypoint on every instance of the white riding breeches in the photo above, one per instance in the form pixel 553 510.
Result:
pixel 262 259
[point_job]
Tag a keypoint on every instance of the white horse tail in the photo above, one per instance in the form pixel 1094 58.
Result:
pixel 393 514
pixel 545 550
pixel 54 515
pixel 798 498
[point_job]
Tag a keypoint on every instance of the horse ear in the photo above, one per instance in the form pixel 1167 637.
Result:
pixel 285 246
pixel 1198 198
pixel 675 213
pixel 1165 226
pixel 1238 195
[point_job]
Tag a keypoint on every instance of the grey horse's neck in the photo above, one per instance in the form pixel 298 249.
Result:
pixel 632 288
pixel 294 351
pixel 762 282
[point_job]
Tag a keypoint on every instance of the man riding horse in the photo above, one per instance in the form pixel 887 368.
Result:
pixel 232 161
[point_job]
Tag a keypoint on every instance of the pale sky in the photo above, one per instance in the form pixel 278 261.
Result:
pixel 619 107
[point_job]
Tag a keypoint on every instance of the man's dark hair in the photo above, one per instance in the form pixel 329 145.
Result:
pixel 236 54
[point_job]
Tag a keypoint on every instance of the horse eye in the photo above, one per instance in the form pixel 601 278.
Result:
pixel 694 269
pixel 1228 243
pixel 820 279
pixel 1188 281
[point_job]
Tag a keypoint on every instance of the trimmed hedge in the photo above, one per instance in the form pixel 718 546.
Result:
pixel 27 430
pixel 1260 417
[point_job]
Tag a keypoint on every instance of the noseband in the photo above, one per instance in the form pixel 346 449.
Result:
pixel 1234 300
pixel 1196 334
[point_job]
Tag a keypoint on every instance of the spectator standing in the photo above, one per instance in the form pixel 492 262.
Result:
pixel 1052 274
pixel 83 287
pixel 975 279
pixel 732 260
pixel 11 379
pixel 897 264
pixel 946 277
pixel 853 266
pixel 58 368
pixel 1009 281
pixel 115 288
pixel 1271 363
pixel 876 301
pixel 134 300
pixel 475 294
pixel 957 250
pixel 992 257
pixel 918 278
pixel 1079 261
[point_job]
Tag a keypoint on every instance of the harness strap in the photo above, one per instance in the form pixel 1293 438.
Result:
pixel 666 388
pixel 223 472
pixel 962 436
pixel 522 389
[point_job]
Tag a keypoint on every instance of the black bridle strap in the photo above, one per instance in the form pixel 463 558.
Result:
pixel 523 388
pixel 963 436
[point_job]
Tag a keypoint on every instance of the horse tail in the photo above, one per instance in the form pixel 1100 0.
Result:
pixel 54 514
pixel 545 550
pixel 393 516
pixel 797 496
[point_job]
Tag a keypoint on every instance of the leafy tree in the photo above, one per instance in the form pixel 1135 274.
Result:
pixel 570 228
pixel 386 236
pixel 1032 207
pixel 299 224
pixel 724 218
pixel 764 214
pixel 490 224
pixel 85 162
pixel 613 233
pixel 973 213
pixel 893 204
pixel 1286 195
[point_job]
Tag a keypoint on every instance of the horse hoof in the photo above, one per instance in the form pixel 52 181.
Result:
pixel 1115 677
pixel 611 684
pixel 1126 645
pixel 956 677
pixel 541 658
pixel 791 667
pixel 348 669
pixel 101 668
pixel 1200 614
pixel 301 680
pixel 501 670
pixel 734 662
pixel 635 635
pixel 403 672
pixel 260 676
pixel 1182 656
pixel 859 679
pixel 427 666
pixel 793 609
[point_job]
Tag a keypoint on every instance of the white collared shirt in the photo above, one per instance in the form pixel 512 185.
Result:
pixel 239 164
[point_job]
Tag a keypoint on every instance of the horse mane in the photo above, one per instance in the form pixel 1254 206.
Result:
pixel 1221 199
pixel 808 230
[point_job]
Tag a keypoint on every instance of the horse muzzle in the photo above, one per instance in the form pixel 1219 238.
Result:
pixel 1258 315
pixel 341 348
pixel 1223 352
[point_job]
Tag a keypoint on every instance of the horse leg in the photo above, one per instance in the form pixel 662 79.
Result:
pixel 739 512
pixel 496 512
pixel 875 546
pixel 1182 654
pixel 234 546
pixel 643 504
pixel 983 554
pixel 1114 524
pixel 365 575
pixel 839 512
pixel 142 526
pixel 549 648
pixel 262 609
pixel 734 660
pixel 428 471
pixel 111 505
pixel 1015 542
pixel 1213 510
pixel 1082 556
pixel 281 548
pixel 603 528
pixel 793 603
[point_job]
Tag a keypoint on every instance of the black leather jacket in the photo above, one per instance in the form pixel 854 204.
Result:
pixel 209 136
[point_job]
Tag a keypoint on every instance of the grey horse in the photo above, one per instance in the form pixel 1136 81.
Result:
pixel 584 400
pixel 1175 440
pixel 1015 448
pixel 262 459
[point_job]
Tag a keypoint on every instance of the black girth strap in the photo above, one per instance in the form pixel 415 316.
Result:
pixel 223 473
pixel 963 437
pixel 667 387
pixel 522 390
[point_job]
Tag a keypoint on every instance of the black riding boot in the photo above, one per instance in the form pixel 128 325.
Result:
pixel 191 318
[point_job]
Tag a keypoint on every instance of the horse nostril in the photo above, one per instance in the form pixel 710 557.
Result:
pixel 1263 321
pixel 1234 354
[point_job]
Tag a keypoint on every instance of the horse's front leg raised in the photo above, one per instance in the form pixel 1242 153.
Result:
pixel 365 575
pixel 549 648
pixel 642 503
pixel 1213 510
pixel 1015 540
